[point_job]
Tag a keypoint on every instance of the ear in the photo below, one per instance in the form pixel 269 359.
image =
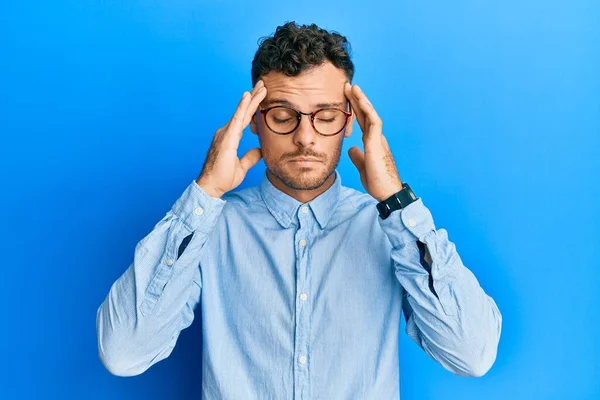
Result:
pixel 253 127
pixel 349 124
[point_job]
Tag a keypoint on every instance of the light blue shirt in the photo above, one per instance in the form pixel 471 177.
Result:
pixel 298 300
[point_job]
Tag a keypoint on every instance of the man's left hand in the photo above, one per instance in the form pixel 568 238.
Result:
pixel 378 172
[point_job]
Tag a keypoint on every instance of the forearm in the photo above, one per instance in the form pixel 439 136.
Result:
pixel 135 330
pixel 448 313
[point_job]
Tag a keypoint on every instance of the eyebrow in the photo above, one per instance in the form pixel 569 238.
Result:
pixel 283 102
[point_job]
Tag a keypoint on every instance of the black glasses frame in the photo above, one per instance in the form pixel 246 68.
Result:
pixel 312 119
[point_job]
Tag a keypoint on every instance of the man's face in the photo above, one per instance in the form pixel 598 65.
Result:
pixel 320 85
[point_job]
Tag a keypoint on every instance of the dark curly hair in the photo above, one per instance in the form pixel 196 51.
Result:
pixel 296 48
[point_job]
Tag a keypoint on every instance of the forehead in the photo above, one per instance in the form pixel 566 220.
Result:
pixel 318 85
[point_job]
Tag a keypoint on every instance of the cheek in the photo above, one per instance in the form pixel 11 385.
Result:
pixel 269 148
pixel 272 147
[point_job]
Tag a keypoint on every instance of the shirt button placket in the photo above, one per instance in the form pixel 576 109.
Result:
pixel 301 356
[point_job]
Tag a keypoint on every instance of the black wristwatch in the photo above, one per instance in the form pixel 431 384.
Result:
pixel 396 201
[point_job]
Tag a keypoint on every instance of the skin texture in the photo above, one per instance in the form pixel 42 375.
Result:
pixel 224 171
pixel 377 168
pixel 322 84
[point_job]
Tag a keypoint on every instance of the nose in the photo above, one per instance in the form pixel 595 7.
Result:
pixel 305 135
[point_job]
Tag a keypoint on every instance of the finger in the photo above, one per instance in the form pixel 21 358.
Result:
pixel 372 128
pixel 358 158
pixel 371 116
pixel 354 103
pixel 258 85
pixel 250 159
pixel 257 98
pixel 238 116
pixel 233 131
pixel 355 106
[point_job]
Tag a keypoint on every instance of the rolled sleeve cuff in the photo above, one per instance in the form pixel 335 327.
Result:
pixel 197 209
pixel 409 224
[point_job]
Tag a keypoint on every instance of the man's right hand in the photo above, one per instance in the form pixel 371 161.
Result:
pixel 223 170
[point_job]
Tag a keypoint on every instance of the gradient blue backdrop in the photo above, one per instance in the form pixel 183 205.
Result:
pixel 492 109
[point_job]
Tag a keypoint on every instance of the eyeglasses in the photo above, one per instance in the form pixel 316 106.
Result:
pixel 284 120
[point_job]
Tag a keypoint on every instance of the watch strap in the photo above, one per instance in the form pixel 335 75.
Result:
pixel 397 201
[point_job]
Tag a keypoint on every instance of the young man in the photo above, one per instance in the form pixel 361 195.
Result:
pixel 302 281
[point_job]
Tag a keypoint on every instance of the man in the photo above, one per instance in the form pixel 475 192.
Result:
pixel 302 281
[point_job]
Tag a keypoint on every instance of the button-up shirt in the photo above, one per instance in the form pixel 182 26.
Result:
pixel 298 300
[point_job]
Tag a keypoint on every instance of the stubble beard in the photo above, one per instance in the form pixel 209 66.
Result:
pixel 301 178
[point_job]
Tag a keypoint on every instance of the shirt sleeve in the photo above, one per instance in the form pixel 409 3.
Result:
pixel 147 307
pixel 447 312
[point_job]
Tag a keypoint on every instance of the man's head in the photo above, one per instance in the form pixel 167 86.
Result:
pixel 303 68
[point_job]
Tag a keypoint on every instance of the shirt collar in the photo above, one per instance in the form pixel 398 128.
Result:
pixel 283 207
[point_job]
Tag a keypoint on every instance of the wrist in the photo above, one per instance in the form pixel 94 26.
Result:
pixel 389 192
pixel 396 201
pixel 208 189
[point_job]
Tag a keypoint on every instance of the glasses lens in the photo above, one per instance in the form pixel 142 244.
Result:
pixel 282 119
pixel 329 121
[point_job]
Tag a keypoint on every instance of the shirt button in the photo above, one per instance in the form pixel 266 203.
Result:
pixel 304 209
pixel 169 261
pixel 303 297
pixel 303 243
pixel 302 360
pixel 199 211
pixel 412 222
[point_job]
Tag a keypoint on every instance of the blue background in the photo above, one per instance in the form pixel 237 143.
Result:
pixel 492 110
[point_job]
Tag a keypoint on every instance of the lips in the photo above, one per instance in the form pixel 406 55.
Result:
pixel 304 159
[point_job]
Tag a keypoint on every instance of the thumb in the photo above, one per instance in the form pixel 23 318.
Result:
pixel 358 158
pixel 250 159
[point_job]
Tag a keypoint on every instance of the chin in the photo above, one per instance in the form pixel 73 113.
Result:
pixel 302 178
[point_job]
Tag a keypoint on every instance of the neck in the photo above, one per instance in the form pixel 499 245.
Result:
pixel 303 196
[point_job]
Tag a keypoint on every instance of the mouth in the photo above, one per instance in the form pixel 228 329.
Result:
pixel 304 161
